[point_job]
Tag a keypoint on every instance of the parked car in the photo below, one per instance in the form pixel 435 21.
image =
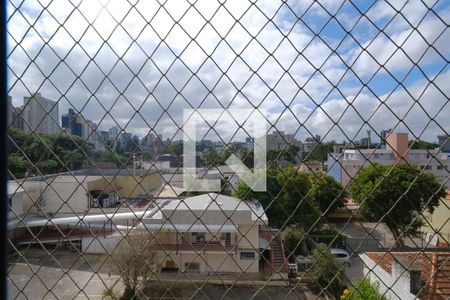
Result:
pixel 340 255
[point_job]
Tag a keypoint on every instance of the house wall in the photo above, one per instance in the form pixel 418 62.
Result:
pixel 208 217
pixel 65 197
pixel 100 244
pixel 251 239
pixel 97 184
pixel 132 186
pixel 216 262
pixel 439 221
pixel 31 199
pixel 396 285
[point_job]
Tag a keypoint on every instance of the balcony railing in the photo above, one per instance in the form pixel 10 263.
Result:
pixel 207 246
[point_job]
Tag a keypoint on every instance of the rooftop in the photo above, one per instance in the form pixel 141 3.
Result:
pixel 212 203
pixel 434 267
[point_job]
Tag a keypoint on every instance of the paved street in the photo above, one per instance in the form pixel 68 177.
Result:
pixel 354 269
pixel 65 276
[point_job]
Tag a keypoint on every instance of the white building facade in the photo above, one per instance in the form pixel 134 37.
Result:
pixel 210 233
pixel 344 166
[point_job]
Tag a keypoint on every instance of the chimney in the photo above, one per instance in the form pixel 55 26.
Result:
pixel 398 143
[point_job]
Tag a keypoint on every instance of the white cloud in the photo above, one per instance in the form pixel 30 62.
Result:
pixel 176 72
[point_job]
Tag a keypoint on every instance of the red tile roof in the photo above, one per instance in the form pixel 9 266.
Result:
pixel 434 266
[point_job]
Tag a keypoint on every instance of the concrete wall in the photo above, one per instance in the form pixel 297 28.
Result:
pixel 100 245
pixel 32 197
pixel 97 184
pixel 65 197
pixel 251 239
pixel 215 262
pixel 208 217
pixel 132 186
pixel 439 221
pixel 396 285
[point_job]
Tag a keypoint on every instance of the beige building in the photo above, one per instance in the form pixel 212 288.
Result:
pixel 41 115
pixel 311 167
pixel 438 223
pixel 82 192
pixel 209 233
pixel 344 166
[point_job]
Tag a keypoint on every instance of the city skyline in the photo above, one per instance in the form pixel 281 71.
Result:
pixel 94 129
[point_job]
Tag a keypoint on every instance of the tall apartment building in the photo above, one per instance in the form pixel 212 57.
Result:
pixel 10 109
pixel 40 115
pixel 278 140
pixel 310 143
pixel 72 123
pixel 114 132
pixel 76 124
pixel 444 143
pixel 344 166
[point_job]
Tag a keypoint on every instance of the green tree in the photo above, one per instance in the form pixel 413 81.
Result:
pixel 246 157
pixel 327 271
pixel 286 200
pixel 418 144
pixel 175 148
pixel 294 201
pixel 296 242
pixel 268 199
pixel 397 195
pixel 320 151
pixel 18 165
pixel 291 154
pixel 210 157
pixel 326 192
pixel 46 153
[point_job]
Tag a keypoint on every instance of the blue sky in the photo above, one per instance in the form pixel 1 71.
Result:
pixel 334 69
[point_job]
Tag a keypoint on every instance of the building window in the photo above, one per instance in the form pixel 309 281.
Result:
pixel 250 255
pixel 192 267
pixel 439 167
pixel 225 236
pixel 428 168
pixel 198 237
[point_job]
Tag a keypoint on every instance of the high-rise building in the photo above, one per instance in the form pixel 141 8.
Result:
pixel 76 124
pixel 17 118
pixel 72 124
pixel 40 115
pixel 310 143
pixel 10 110
pixel 384 134
pixel 104 135
pixel 444 143
pixel 114 133
pixel 278 140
